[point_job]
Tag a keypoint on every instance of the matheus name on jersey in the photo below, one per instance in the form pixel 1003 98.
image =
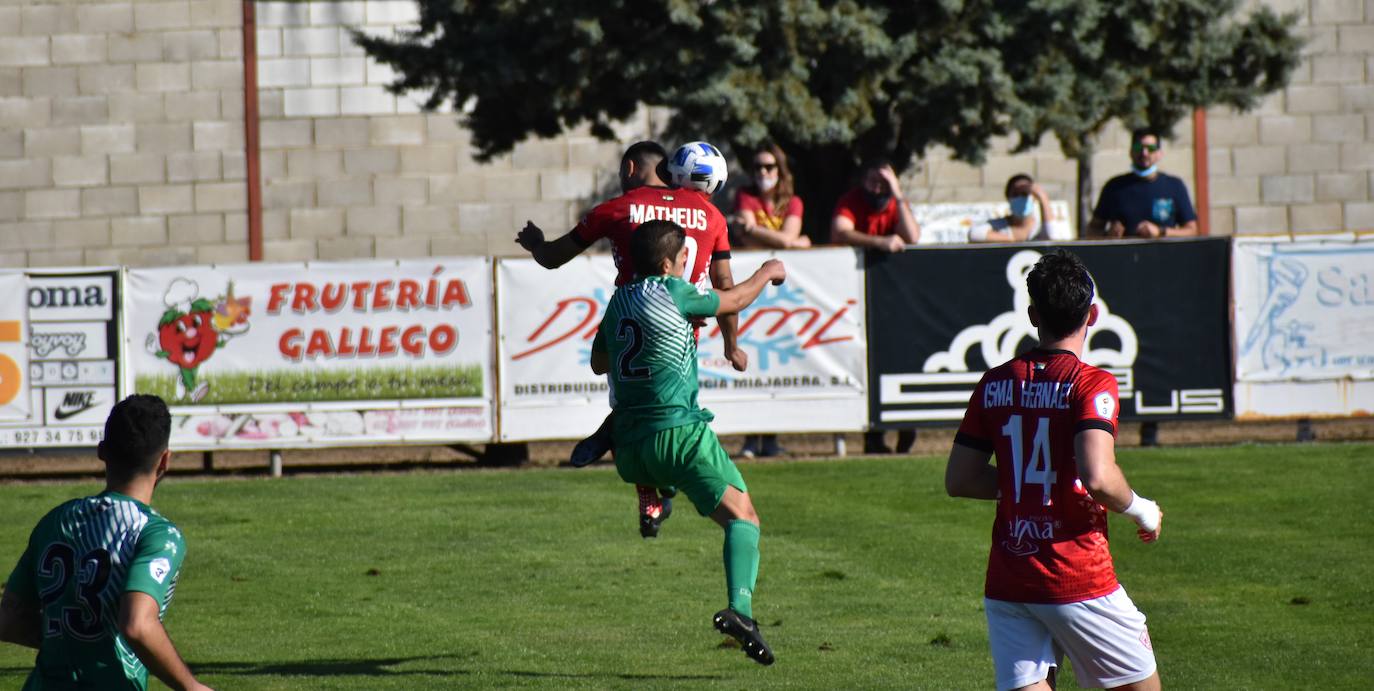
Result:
pixel 689 219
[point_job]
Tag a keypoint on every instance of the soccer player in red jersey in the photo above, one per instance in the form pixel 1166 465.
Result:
pixel 645 196
pixel 1050 420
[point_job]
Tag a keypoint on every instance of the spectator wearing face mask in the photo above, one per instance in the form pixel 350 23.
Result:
pixel 1023 195
pixel 768 211
pixel 1144 203
pixel 875 214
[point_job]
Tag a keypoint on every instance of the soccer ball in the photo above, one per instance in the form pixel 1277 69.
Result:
pixel 698 165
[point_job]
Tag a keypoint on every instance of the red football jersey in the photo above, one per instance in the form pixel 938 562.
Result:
pixel 854 206
pixel 1049 541
pixel 707 236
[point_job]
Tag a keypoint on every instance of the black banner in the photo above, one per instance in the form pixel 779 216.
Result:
pixel 939 317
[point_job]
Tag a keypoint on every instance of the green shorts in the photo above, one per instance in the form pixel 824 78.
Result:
pixel 688 458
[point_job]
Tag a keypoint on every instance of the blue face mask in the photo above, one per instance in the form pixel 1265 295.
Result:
pixel 1020 206
pixel 1145 173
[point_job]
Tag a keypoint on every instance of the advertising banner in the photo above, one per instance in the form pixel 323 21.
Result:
pixel 16 403
pixel 941 317
pixel 805 342
pixel 949 224
pixel 274 355
pixel 73 357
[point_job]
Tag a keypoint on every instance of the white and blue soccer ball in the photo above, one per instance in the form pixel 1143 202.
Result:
pixel 698 165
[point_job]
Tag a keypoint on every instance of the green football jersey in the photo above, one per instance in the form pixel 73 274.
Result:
pixel 653 354
pixel 81 559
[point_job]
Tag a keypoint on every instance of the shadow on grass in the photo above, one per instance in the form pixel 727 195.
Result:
pixel 381 667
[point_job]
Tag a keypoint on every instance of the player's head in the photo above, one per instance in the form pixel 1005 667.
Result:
pixel 136 434
pixel 640 165
pixel 1061 293
pixel 657 248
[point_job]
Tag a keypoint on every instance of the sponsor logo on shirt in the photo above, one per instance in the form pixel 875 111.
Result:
pixel 1105 404
pixel 158 569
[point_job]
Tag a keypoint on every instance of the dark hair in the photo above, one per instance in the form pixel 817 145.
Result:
pixel 1140 133
pixel 782 192
pixel 1061 289
pixel 877 162
pixel 136 434
pixel 645 154
pixel 652 242
pixel 1019 177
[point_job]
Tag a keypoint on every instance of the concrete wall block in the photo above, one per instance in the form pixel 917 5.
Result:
pixel 311 41
pixel 343 249
pixel 452 189
pixel 428 159
pixel 217 75
pixel 1357 38
pixel 1342 187
pixel 55 257
pixel 80 110
pixel 541 154
pixel 236 226
pixel 217 136
pixel 47 19
pixel 482 218
pixel 1233 130
pixel 1287 189
pixel 283 13
pixel 9 21
pixel 1359 216
pixel 25 173
pixel 281 194
pixel 397 131
pixel 1354 157
pixel 379 73
pixel 280 134
pixel 1259 160
pixel 164 138
pixel 1312 218
pixel 148 256
pixel 28 51
pixel 11 144
pixel 51 141
pixel 1339 68
pixel 105 79
pixel 109 201
pixel 289 250
pixel 80 171
pixel 236 253
pixel 511 187
pixel 1337 11
pixel 392 12
pixel 41 204
pixel 185 46
pixel 152 16
pixel 402 247
pixel 1222 221
pixel 163 76
pixel 11 206
pixel 316 223
pixel 551 215
pixel 342 193
pixel 26 235
pixel 74 49
pixel 199 229
pixel 134 107
pixel 221 196
pixel 193 166
pixel 1338 128
pixel 569 185
pixel 49 81
pixel 315 102
pixel 1286 129
pixel 137 168
pixel 107 139
pixel 1319 39
pixel 130 47
pixel 334 13
pixel 458 245
pixel 234 165
pixel 191 106
pixel 341 132
pixel 401 191
pixel 150 230
pixel 1233 191
pixel 335 71
pixel 313 164
pixel 11 82
pixel 366 100
pixel 83 232
pixel 25 112
pixel 109 18
pixel 268 42
pixel 1314 158
pixel 441 127
pixel 373 220
pixel 1314 98
pixel 1219 162
pixel 1260 220
pixel 164 199
pixel 231 103
pixel 428 220
pixel 283 72
pixel 374 161
pixel 216 13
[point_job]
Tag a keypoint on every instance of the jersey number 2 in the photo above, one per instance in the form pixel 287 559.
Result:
pixel 1039 470
pixel 630 330
pixel 91 572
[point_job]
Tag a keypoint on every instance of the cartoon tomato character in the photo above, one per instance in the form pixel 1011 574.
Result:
pixel 187 340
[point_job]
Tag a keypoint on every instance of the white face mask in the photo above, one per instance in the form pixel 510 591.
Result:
pixel 765 183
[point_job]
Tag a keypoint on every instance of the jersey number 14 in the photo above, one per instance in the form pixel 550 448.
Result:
pixel 1039 470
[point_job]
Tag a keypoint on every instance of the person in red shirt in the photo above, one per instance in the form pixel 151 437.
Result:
pixel 875 215
pixel 1050 420
pixel 646 197
pixel 768 211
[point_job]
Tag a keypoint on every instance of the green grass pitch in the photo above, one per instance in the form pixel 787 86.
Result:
pixel 871 577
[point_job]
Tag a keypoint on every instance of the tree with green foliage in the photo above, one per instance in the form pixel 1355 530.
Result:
pixel 832 81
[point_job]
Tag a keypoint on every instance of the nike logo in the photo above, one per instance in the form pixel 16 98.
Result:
pixel 75 403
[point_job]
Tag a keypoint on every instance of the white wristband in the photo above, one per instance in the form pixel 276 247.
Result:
pixel 1144 512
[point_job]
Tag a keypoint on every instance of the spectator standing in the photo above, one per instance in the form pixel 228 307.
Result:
pixel 875 214
pixel 1144 203
pixel 1023 194
pixel 768 211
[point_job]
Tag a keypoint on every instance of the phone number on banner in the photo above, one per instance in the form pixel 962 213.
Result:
pixel 51 436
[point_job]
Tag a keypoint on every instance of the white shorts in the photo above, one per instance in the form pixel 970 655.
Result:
pixel 1105 638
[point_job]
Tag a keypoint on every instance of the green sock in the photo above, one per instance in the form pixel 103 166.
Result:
pixel 741 565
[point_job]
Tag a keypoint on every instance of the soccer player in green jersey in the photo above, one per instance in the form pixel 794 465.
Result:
pixel 661 435
pixel 90 591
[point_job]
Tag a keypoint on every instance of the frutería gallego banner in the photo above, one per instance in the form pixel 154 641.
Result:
pixel 72 344
pixel 804 339
pixel 274 355
pixel 15 401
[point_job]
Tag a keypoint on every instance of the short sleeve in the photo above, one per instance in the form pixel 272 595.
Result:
pixel 157 561
pixel 844 207
pixel 693 301
pixel 1183 204
pixel 21 582
pixel 1098 405
pixel 720 248
pixel 593 226
pixel 747 202
pixel 794 207
pixel 973 431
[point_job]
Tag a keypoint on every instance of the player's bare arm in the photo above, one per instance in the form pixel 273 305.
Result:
pixel 743 294
pixel 723 279
pixel 140 626
pixel 969 474
pixel 20 621
pixel 1095 452
pixel 549 255
pixel 907 227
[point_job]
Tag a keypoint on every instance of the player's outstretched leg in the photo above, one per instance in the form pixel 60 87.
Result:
pixel 741 553
pixel 591 449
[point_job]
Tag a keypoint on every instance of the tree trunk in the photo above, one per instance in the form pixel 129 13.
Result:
pixel 1083 199
pixel 820 175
